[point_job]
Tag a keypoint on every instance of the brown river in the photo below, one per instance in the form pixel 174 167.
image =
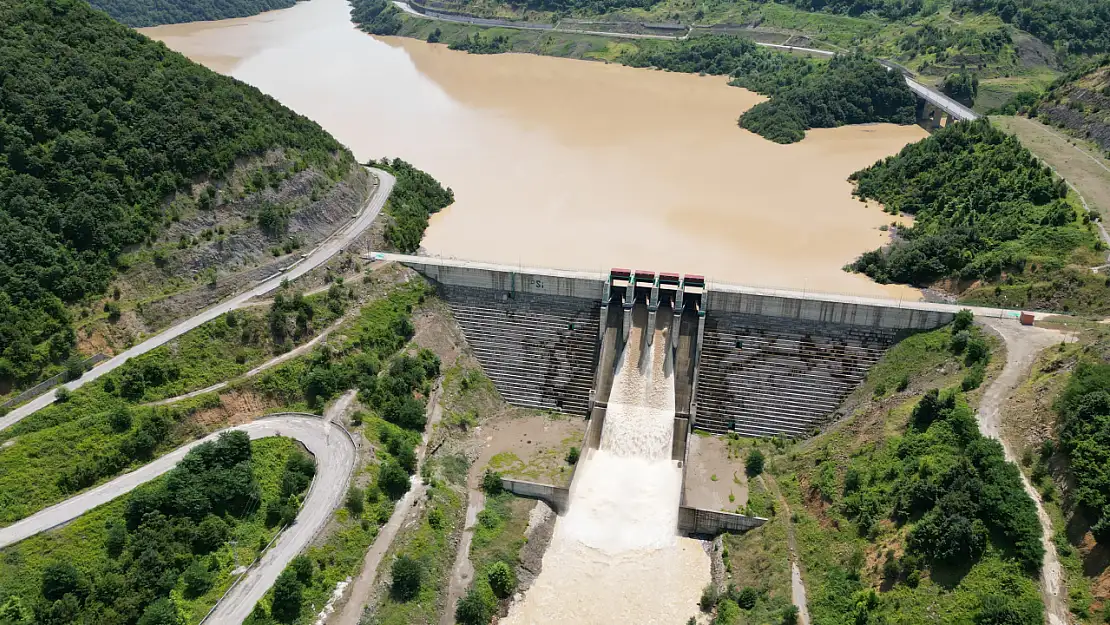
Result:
pixel 572 164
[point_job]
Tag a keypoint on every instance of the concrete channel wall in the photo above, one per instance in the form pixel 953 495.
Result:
pixel 557 497
pixel 698 522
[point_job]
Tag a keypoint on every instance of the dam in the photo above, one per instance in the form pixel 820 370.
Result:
pixel 756 362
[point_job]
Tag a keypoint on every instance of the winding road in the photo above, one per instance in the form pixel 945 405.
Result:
pixel 1023 345
pixel 328 248
pixel 334 450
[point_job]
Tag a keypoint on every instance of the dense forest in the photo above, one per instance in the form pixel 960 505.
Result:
pixel 98 126
pixel 805 93
pixel 982 205
pixel 1084 435
pixel 140 13
pixel 377 17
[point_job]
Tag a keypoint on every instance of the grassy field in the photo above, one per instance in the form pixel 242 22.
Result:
pixel 760 559
pixel 81 542
pixel 1076 160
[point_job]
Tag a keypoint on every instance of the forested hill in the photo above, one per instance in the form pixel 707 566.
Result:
pixel 98 127
pixel 805 93
pixel 986 213
pixel 140 13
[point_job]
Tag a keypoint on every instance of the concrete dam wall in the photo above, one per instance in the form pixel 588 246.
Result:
pixel 751 361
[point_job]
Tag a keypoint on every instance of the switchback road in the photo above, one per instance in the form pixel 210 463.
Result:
pixel 328 248
pixel 334 451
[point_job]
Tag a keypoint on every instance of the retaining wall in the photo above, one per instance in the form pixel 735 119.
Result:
pixel 50 383
pixel 766 376
pixel 699 522
pixel 557 497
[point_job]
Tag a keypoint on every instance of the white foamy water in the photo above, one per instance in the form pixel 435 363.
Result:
pixel 616 556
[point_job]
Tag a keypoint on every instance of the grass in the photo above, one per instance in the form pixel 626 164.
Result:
pixel 1032 419
pixel 499 534
pixel 81 541
pixel 433 548
pixel 62 436
pixel 841 561
pixel 760 558
pixel 1075 160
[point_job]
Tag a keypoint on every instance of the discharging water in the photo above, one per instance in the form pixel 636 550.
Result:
pixel 571 164
pixel 616 556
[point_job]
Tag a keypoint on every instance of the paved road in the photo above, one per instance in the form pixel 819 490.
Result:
pixel 335 460
pixel 328 248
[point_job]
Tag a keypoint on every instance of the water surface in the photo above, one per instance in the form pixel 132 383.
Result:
pixel 571 164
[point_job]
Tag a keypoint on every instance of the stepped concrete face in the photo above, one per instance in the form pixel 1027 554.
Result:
pixel 754 361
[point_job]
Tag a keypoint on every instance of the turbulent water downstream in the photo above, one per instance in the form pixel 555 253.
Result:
pixel 615 557
pixel 571 164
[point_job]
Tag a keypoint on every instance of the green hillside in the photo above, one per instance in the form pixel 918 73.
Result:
pixel 140 13
pixel 99 126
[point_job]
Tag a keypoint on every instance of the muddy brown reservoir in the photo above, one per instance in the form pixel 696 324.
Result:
pixel 571 164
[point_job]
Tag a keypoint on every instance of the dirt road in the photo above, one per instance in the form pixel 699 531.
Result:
pixel 1023 344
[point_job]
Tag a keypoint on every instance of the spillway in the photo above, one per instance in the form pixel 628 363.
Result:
pixel 616 556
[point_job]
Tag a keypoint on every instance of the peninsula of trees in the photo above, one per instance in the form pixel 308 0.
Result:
pixel 805 93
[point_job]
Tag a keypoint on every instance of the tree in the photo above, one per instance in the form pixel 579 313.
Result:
pixel 120 419
pixel 393 480
pixel 747 597
pixel 407 575
pixel 162 612
pixel 501 579
pixel 286 604
pixel 210 535
pixel 60 579
pixel 303 568
pixel 753 466
pixel 476 608
pixel 356 501
pixel 198 579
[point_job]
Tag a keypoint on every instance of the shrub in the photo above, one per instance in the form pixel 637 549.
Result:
pixel 973 378
pixel 491 482
pixel 572 456
pixel 62 395
pixel 356 498
pixel 476 608
pixel 728 613
pixel 747 597
pixel 393 480
pixel 790 615
pixel 754 464
pixel 501 579
pixel 709 596
pixel 962 321
pixel 407 575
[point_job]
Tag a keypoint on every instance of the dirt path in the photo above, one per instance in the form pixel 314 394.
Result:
pixel 269 364
pixel 1023 344
pixel 797 585
pixel 362 587
pixel 463 571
